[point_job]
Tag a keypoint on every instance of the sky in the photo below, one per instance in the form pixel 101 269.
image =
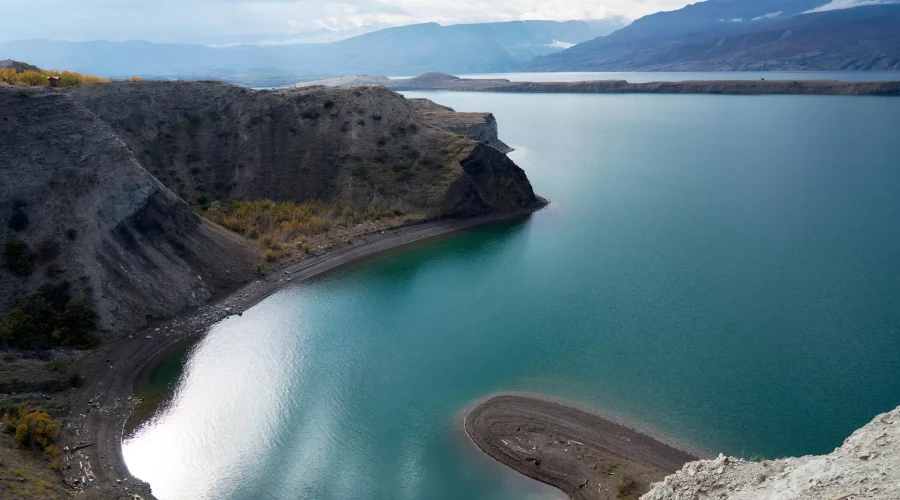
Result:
pixel 218 21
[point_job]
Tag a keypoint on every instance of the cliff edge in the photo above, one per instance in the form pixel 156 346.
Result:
pixel 865 466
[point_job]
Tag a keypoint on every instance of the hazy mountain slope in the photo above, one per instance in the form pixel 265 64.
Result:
pixel 694 39
pixel 404 50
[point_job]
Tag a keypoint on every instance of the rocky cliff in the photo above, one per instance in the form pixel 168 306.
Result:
pixel 356 146
pixel 89 213
pixel 481 127
pixel 865 466
pixel 93 181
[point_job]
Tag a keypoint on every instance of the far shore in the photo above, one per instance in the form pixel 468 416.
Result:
pixel 112 369
pixel 586 456
pixel 440 81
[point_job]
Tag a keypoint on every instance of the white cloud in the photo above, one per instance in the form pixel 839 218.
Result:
pixel 195 20
pixel 560 45
pixel 771 15
pixel 849 4
pixel 736 20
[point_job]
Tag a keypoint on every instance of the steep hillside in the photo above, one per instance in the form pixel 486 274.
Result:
pixel 83 210
pixel 785 38
pixel 360 147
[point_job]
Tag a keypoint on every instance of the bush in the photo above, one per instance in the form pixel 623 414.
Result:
pixel 32 78
pixel 18 258
pixel 627 488
pixel 39 78
pixel 34 429
pixel 57 366
pixel 8 76
pixel 47 318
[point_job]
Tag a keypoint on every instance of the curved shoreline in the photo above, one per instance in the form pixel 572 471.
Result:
pixel 105 402
pixel 581 453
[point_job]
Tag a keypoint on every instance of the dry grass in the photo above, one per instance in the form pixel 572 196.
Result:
pixel 296 229
pixel 40 78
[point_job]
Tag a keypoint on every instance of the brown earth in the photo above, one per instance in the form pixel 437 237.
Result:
pixel 584 455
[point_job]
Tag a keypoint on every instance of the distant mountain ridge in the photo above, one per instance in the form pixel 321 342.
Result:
pixel 464 48
pixel 722 35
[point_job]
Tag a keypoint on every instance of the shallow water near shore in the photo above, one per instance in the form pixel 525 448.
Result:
pixel 720 269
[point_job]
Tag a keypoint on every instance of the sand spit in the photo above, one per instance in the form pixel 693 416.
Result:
pixel 584 455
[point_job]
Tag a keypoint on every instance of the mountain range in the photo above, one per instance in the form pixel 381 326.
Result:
pixel 715 35
pixel 721 35
pixel 406 50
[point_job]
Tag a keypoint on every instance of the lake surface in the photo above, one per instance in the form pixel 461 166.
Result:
pixel 720 269
pixel 665 76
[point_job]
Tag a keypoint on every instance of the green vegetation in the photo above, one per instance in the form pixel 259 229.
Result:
pixel 57 366
pixel 33 428
pixel 18 258
pixel 30 78
pixel 47 318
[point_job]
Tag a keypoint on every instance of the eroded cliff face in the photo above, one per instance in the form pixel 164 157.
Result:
pixel 481 127
pixel 867 465
pixel 356 146
pixel 93 216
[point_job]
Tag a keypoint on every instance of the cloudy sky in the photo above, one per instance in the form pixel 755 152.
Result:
pixel 208 21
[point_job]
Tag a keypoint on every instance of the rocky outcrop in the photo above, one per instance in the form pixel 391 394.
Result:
pixel 480 127
pixel 93 216
pixel 356 146
pixel 867 465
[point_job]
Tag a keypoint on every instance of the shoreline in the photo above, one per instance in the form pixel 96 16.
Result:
pixel 106 400
pixel 706 87
pixel 578 451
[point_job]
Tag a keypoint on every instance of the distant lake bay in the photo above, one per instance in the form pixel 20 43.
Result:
pixel 724 270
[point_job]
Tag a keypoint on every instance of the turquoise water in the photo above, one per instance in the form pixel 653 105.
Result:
pixel 720 269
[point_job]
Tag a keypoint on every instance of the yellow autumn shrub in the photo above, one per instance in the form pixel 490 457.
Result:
pixel 33 428
pixel 8 76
